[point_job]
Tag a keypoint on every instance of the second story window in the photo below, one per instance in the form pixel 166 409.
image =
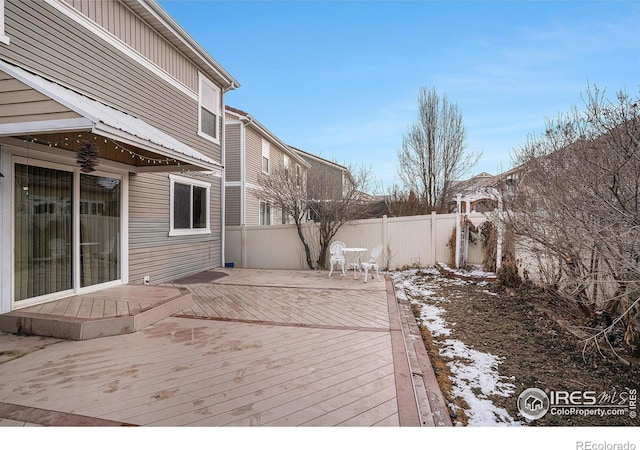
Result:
pixel 3 37
pixel 209 114
pixel 266 151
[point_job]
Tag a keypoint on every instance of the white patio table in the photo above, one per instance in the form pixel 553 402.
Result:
pixel 355 260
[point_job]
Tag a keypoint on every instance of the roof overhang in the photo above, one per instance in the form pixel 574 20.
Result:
pixel 160 148
pixel 251 121
pixel 305 154
pixel 171 30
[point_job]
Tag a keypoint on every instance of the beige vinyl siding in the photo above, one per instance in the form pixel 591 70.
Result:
pixel 134 31
pixel 52 45
pixel 152 252
pixel 56 47
pixel 232 211
pixel 327 176
pixel 253 155
pixel 232 152
pixel 149 204
pixel 252 208
pixel 171 262
pixel 20 103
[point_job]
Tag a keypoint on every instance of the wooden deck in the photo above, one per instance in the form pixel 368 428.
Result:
pixel 249 351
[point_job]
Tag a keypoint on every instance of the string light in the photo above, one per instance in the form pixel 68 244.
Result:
pixel 121 147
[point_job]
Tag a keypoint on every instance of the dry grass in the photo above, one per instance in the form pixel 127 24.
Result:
pixel 456 405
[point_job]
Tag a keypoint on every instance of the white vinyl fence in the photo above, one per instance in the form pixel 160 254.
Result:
pixel 408 241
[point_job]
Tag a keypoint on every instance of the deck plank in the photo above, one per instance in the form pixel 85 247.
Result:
pixel 122 308
pixel 110 308
pixel 219 383
pixel 60 307
pixel 97 308
pixel 333 410
pixel 74 307
pixel 84 312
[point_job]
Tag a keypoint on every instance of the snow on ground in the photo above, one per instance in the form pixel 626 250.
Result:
pixel 475 374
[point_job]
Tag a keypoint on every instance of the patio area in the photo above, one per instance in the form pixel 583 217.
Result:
pixel 249 348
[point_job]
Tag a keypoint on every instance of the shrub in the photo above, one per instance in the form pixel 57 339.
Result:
pixel 508 275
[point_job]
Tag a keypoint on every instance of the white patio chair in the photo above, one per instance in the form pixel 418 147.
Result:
pixel 336 256
pixel 373 262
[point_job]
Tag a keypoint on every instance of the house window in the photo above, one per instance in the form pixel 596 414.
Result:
pixel 189 206
pixel 287 164
pixel 3 37
pixel 265 213
pixel 209 110
pixel 266 150
pixel 298 177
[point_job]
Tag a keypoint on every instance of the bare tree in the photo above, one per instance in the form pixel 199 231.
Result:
pixel 432 154
pixel 332 206
pixel 329 200
pixel 400 203
pixel 288 192
pixel 576 208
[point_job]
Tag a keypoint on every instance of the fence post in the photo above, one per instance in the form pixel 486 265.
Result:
pixel 434 237
pixel 243 246
pixel 385 239
pixel 500 232
pixel 458 212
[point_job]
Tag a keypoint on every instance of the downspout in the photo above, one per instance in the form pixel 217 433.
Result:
pixel 243 170
pixel 223 142
pixel 243 193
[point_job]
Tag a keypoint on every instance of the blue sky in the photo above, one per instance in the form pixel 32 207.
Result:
pixel 341 79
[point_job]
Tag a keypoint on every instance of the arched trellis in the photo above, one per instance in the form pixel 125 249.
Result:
pixel 484 194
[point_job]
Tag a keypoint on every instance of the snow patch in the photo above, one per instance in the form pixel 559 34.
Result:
pixel 475 374
pixel 475 378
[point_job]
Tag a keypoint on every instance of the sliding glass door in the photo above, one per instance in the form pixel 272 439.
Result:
pixel 67 231
pixel 43 245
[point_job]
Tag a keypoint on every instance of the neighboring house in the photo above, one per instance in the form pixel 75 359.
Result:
pixel 326 179
pixel 111 138
pixel 251 150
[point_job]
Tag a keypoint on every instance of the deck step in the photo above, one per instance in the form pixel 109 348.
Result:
pixel 162 303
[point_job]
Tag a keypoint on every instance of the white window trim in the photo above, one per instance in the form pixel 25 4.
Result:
pixel 204 80
pixel 188 231
pixel 4 39
pixel 266 153
pixel 260 203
